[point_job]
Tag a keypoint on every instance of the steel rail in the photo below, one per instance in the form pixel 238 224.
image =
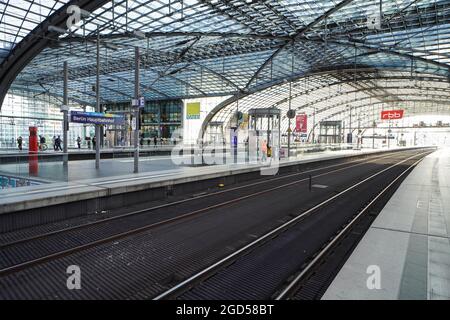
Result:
pixel 193 280
pixel 288 290
pixel 148 210
pixel 63 253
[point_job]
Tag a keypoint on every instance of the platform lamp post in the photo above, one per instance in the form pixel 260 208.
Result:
pixel 291 115
pixel 314 125
pixel 350 131
pixel 98 106
pixel 65 106
pixel 65 110
pixel 374 124
pixel 136 104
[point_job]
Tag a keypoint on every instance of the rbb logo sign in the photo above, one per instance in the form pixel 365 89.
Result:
pixel 392 114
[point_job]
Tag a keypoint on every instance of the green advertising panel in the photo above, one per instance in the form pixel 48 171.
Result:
pixel 193 111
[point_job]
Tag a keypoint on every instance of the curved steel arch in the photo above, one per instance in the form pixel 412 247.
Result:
pixel 444 102
pixel 445 97
pixel 36 41
pixel 297 77
pixel 380 103
pixel 329 97
pixel 299 34
pixel 341 94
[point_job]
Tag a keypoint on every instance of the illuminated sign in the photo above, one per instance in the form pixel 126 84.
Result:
pixel 392 114
pixel 193 111
pixel 96 118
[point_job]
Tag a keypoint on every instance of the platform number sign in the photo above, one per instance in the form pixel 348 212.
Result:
pixel 138 103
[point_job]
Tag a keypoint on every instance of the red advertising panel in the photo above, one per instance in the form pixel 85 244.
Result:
pixel 33 152
pixel 302 123
pixel 392 114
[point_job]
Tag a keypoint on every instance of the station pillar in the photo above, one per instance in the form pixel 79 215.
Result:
pixel 33 148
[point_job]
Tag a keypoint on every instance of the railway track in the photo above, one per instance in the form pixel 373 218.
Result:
pixel 42 248
pixel 23 236
pixel 219 280
pixel 162 261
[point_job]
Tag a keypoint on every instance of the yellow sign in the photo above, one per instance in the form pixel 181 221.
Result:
pixel 244 123
pixel 193 111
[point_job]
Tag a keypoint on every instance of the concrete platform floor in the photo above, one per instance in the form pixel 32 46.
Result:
pixel 54 171
pixel 409 242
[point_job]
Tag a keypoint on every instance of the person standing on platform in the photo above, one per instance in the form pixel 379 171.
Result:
pixel 155 140
pixel 79 142
pixel 20 143
pixel 42 143
pixel 264 150
pixel 58 144
pixel 94 143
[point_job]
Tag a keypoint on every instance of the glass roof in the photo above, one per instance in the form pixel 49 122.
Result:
pixel 333 96
pixel 198 48
pixel 19 17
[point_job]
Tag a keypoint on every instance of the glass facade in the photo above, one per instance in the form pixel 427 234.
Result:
pixel 22 110
pixel 161 118
pixel 158 118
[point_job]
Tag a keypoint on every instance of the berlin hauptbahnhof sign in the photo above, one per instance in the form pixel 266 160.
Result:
pixel 96 118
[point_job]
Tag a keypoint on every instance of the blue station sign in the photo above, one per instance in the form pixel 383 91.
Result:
pixel 96 118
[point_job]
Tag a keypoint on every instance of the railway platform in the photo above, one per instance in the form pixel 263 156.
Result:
pixel 406 252
pixel 61 200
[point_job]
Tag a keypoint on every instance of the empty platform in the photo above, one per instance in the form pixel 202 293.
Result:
pixel 28 206
pixel 409 242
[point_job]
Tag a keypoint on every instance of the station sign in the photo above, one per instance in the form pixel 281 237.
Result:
pixel 96 118
pixel 392 114
pixel 302 123
pixel 138 103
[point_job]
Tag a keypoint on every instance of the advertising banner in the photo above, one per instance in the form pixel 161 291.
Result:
pixel 302 123
pixel 392 114
pixel 96 118
pixel 193 111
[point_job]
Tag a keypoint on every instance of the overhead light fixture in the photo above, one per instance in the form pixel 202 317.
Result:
pixel 111 46
pixel 57 30
pixel 140 34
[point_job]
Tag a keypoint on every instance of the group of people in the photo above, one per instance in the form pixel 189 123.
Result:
pixel 155 140
pixel 57 143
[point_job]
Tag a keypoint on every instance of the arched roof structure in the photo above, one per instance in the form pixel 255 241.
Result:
pixel 247 49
